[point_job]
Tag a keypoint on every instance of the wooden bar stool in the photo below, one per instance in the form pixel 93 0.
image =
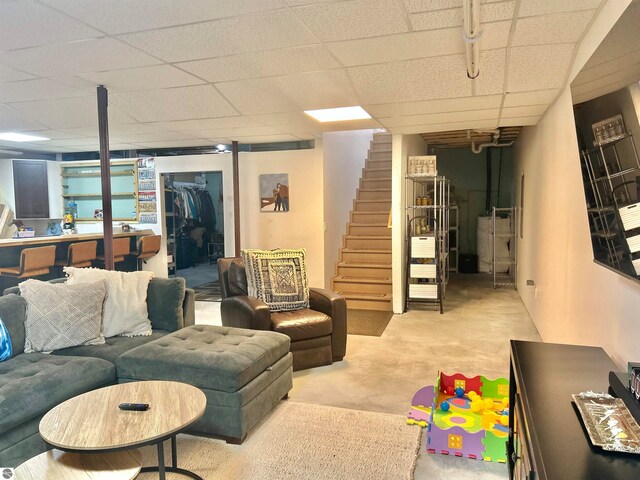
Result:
pixel 120 251
pixel 33 263
pixel 79 255
pixel 148 246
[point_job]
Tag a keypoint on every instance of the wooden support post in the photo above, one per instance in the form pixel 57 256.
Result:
pixel 236 197
pixel 105 174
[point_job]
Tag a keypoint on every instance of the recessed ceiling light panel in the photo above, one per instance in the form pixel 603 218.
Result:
pixel 338 114
pixel 20 137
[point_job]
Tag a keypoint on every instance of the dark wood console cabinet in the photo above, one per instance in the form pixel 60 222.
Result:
pixel 547 439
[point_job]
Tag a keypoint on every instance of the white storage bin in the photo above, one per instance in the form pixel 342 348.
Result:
pixel 423 290
pixel 423 270
pixel 423 247
pixel 630 216
pixel 634 243
pixel 636 265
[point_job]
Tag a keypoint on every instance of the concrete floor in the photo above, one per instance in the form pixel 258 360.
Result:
pixel 381 374
pixel 199 275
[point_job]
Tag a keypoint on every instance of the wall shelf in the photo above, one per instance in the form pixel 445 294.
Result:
pixel 82 184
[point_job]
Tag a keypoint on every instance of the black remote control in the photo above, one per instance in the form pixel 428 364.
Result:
pixel 137 407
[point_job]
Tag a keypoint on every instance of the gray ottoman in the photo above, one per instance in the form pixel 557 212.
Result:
pixel 243 373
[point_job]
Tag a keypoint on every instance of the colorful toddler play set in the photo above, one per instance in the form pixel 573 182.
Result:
pixel 465 417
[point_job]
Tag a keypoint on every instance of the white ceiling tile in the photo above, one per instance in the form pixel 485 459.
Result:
pixel 207 124
pixel 54 134
pixel 623 38
pixel 8 74
pixel 299 91
pixel 124 129
pixel 627 61
pixel 143 78
pixel 266 139
pixel 491 78
pixel 436 19
pixel 184 103
pixel 148 137
pixel 289 121
pixel 495 35
pixel 539 97
pixel 542 7
pixel 353 19
pixel 519 121
pixel 249 33
pixel 452 17
pixel 558 28
pixel 196 142
pixel 447 117
pixel 59 114
pixel 404 46
pixel 234 132
pixel 442 127
pixel 412 80
pixel 297 3
pixel 26 23
pixel 538 67
pixel 75 142
pixel 607 84
pixel 76 57
pixel 435 106
pixel 494 12
pixel 414 6
pixel 299 122
pixel 12 120
pixel 524 111
pixel 120 16
pixel 262 64
pixel 38 89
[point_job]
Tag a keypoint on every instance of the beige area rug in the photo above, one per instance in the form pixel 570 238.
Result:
pixel 300 441
pixel 367 322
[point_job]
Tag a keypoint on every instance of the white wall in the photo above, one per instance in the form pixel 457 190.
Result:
pixel 344 155
pixel 574 300
pixel 6 184
pixel 302 226
pixel 402 147
pixel 194 163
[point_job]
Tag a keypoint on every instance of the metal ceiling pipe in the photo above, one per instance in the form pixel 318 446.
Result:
pixel 471 33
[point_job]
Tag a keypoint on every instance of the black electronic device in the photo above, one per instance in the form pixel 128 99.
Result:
pixel 136 407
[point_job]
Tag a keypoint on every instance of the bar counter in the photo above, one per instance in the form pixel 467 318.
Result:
pixel 10 248
pixel 76 237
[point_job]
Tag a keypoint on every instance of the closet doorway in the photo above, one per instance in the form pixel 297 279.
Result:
pixel 193 218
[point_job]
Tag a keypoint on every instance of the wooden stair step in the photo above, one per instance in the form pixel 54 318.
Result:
pixel 364 265
pixel 364 301
pixel 356 279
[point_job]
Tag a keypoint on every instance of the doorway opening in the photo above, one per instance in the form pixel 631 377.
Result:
pixel 193 218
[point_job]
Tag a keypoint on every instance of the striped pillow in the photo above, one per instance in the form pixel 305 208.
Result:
pixel 278 278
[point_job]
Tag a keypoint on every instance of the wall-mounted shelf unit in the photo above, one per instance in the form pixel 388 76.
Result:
pixel 613 204
pixel 82 190
pixel 454 238
pixel 427 206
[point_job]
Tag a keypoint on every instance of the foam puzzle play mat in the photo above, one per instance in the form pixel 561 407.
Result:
pixel 465 417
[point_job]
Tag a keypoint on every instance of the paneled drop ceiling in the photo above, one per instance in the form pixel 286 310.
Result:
pixel 201 72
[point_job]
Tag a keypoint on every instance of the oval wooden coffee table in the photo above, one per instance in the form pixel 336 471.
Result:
pixel 56 464
pixel 92 422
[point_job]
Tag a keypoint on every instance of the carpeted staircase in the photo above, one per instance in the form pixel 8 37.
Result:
pixel 364 269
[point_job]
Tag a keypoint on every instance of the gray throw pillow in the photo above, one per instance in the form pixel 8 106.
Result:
pixel 62 315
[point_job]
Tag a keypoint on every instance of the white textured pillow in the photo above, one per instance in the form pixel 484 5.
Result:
pixel 61 315
pixel 125 309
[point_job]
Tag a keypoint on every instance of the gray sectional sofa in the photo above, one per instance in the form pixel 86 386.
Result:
pixel 33 383
pixel 243 373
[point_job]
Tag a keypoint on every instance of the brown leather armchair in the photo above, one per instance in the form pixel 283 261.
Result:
pixel 318 333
